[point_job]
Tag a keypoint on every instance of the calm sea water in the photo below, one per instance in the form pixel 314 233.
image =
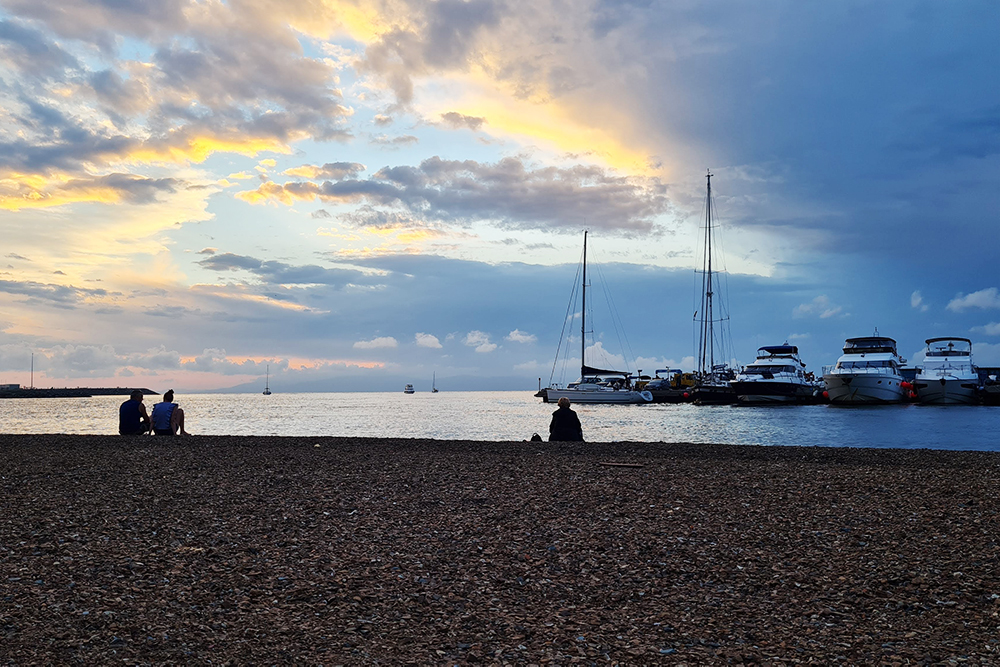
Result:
pixel 516 415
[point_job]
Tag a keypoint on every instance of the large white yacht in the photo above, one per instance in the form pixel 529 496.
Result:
pixel 947 375
pixel 868 372
pixel 777 376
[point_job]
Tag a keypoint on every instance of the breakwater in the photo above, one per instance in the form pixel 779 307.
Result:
pixel 73 392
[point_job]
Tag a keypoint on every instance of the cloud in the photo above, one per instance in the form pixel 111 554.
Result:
pixel 427 340
pixel 376 343
pixel 330 170
pixel 65 296
pixel 71 130
pixel 984 298
pixel 917 301
pixel 991 329
pixel 509 192
pixel 480 341
pixel 402 140
pixel 274 272
pixel 519 336
pixel 458 121
pixel 29 50
pixel 819 307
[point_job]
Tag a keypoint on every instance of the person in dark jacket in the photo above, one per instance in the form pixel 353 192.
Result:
pixel 565 424
pixel 132 416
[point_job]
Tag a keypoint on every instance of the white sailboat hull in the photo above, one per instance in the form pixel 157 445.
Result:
pixel 602 395
pixel 861 389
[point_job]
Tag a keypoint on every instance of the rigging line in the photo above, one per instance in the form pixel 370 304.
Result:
pixel 566 320
pixel 616 319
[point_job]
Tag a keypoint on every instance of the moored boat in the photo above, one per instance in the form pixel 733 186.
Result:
pixel 777 376
pixel 947 376
pixel 674 386
pixel 869 372
pixel 595 385
pixel 712 377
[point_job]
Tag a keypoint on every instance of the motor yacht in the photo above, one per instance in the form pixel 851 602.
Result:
pixel 777 376
pixel 868 372
pixel 947 376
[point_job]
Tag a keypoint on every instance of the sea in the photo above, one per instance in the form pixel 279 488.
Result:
pixel 516 415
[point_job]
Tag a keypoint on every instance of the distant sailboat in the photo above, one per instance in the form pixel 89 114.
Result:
pixel 267 379
pixel 434 388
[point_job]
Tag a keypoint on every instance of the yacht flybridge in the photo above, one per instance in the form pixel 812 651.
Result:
pixel 868 372
pixel 947 375
pixel 777 376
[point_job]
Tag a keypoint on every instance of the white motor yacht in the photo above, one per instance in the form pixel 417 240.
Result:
pixel 777 376
pixel 868 372
pixel 947 376
pixel 408 389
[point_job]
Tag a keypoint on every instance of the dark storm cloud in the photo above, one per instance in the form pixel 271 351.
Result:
pixel 280 273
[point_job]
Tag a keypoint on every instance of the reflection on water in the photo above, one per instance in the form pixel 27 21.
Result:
pixel 516 415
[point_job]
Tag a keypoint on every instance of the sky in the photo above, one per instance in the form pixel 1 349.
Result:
pixel 356 194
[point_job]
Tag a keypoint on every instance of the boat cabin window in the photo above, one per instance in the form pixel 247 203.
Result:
pixel 761 370
pixel 866 364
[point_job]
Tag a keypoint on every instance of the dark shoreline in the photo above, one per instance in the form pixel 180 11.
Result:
pixel 395 551
pixel 73 392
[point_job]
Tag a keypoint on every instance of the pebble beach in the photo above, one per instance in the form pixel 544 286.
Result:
pixel 315 550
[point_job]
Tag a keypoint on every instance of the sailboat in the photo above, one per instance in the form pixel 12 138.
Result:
pixel 713 376
pixel 595 385
pixel 267 379
pixel 434 388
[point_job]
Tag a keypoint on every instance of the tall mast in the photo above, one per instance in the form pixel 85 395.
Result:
pixel 583 312
pixel 706 344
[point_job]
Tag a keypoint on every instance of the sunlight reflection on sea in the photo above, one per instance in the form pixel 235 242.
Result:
pixel 511 415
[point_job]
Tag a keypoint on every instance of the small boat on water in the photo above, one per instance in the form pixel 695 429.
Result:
pixel 670 385
pixel 947 376
pixel 868 372
pixel 776 376
pixel 267 379
pixel 408 389
pixel 434 388
pixel 595 385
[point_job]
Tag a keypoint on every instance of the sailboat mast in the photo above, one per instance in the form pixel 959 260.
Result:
pixel 706 351
pixel 583 312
